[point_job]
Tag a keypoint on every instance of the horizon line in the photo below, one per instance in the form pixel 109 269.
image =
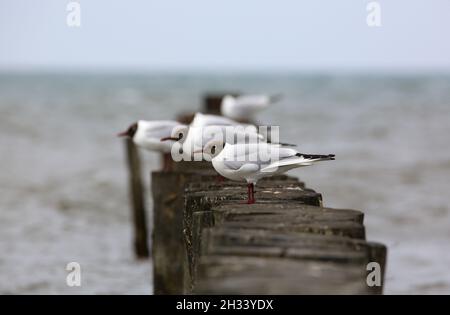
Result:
pixel 36 70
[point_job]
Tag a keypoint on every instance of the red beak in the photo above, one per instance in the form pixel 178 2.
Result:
pixel 123 134
pixel 169 138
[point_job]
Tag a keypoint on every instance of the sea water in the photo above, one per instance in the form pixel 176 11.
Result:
pixel 63 181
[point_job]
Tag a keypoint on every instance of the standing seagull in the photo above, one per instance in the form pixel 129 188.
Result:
pixel 203 120
pixel 205 128
pixel 148 135
pixel 244 108
pixel 252 161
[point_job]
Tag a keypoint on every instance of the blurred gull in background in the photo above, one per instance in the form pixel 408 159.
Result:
pixel 245 107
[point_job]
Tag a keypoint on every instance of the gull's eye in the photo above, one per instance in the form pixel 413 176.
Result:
pixel 180 136
pixel 213 149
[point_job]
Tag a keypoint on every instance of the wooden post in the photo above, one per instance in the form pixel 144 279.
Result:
pixel 137 201
pixel 169 253
pixel 168 249
pixel 288 229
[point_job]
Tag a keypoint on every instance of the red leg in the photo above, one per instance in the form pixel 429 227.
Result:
pixel 220 178
pixel 252 189
pixel 251 194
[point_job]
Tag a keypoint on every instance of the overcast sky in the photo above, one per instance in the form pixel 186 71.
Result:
pixel 231 34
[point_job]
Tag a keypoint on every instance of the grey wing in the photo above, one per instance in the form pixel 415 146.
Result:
pixel 253 101
pixel 263 153
pixel 233 165
pixel 160 131
pixel 286 152
pixel 241 165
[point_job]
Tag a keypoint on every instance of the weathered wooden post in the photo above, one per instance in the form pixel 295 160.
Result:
pixel 137 200
pixel 257 250
pixel 169 250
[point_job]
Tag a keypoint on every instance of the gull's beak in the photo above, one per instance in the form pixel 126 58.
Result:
pixel 123 134
pixel 169 138
pixel 198 151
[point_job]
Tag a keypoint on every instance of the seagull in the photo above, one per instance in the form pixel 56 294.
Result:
pixel 202 120
pixel 198 136
pixel 205 128
pixel 250 162
pixel 244 108
pixel 156 135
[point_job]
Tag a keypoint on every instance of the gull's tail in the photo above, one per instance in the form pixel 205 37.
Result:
pixel 299 160
pixel 317 157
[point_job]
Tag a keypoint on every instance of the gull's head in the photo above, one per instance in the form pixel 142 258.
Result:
pixel 198 119
pixel 130 132
pixel 227 99
pixel 178 133
pixel 213 148
pixel 226 106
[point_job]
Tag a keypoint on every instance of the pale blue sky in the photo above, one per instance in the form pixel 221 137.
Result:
pixel 217 35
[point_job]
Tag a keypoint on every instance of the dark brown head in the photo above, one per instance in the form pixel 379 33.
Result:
pixel 130 132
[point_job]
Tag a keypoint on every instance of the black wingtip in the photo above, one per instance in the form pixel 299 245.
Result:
pixel 287 144
pixel 330 157
pixel 283 144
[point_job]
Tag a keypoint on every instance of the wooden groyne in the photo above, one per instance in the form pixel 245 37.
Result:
pixel 137 200
pixel 207 241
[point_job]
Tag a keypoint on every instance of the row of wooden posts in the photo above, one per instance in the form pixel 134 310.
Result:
pixel 207 241
pixel 136 187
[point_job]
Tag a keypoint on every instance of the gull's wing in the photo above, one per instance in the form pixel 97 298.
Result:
pixel 298 160
pixel 237 134
pixel 202 120
pixel 253 100
pixel 229 134
pixel 160 129
pixel 261 155
pixel 290 161
pixel 241 151
pixel 242 166
pixel 256 101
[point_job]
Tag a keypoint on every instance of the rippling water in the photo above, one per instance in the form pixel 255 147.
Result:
pixel 63 193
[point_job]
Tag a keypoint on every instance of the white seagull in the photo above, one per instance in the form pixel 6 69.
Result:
pixel 156 135
pixel 245 107
pixel 250 162
pixel 202 120
pixel 205 128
